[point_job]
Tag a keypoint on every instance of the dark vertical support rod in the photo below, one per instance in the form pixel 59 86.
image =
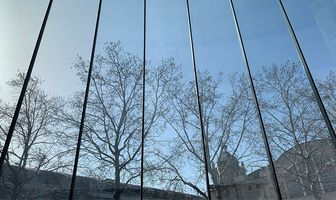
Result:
pixel 143 102
pixel 24 89
pixel 262 126
pixel 199 102
pixel 308 74
pixel 74 172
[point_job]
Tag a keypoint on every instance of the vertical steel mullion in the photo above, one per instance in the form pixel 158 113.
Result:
pixel 308 73
pixel 74 173
pixel 143 102
pixel 262 126
pixel 24 89
pixel 198 101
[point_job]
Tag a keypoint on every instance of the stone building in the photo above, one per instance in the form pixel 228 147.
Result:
pixel 235 183
pixel 312 163
pixel 308 171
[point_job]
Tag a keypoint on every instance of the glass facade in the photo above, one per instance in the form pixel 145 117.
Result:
pixel 168 99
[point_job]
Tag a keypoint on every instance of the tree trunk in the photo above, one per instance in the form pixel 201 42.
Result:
pixel 117 189
pixel 116 194
pixel 315 191
pixel 219 193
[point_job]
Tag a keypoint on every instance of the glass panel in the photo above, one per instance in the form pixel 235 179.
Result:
pixel 20 24
pixel 238 166
pixel 41 153
pixel 314 23
pixel 40 158
pixel 174 157
pixel 300 142
pixel 109 164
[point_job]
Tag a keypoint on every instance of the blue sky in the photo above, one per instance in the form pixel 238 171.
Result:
pixel 70 29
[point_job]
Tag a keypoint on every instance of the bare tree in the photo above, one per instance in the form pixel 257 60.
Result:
pixel 112 137
pixel 291 116
pixel 299 139
pixel 34 146
pixel 229 122
pixel 327 89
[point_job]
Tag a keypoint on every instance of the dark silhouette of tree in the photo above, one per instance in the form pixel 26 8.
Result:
pixel 34 147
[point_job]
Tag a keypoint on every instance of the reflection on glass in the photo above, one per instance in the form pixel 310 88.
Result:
pixel 174 163
pixel 315 26
pixel 40 156
pixel 238 165
pixel 300 143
